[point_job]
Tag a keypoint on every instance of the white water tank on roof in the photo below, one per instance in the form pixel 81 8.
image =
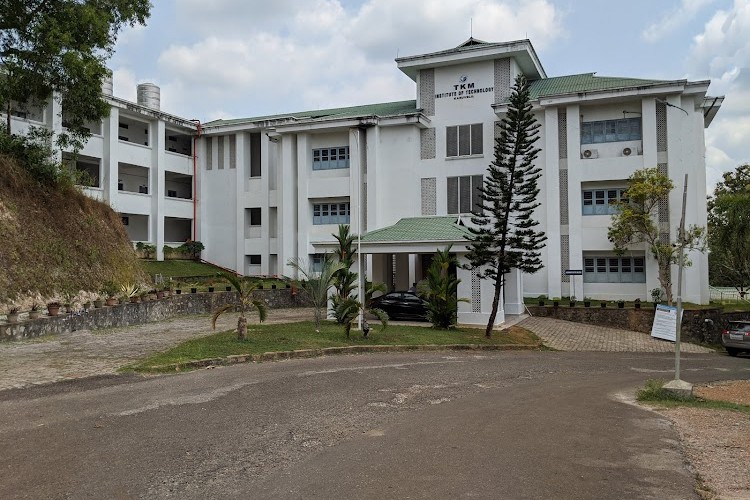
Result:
pixel 107 88
pixel 149 95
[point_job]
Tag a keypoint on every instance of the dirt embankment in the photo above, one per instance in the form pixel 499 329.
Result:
pixel 57 240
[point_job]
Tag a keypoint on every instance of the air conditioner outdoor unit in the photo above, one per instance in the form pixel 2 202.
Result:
pixel 590 153
pixel 627 152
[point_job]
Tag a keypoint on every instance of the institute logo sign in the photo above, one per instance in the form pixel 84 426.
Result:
pixel 464 89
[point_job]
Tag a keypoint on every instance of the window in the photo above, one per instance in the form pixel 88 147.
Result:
pixel 626 129
pixel 331 158
pixel 125 221
pixel 254 260
pixel 331 213
pixel 463 140
pixel 317 262
pixel 255 216
pixel 463 194
pixel 603 201
pixel 611 269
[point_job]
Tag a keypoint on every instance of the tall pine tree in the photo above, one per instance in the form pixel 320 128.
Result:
pixel 505 235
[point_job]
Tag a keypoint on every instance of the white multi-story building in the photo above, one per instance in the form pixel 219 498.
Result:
pixel 404 175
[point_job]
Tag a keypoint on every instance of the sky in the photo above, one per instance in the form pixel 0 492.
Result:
pixel 240 58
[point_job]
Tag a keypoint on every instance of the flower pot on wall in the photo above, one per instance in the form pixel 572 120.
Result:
pixel 229 289
pixel 34 314
pixel 541 303
pixel 53 309
pixel 572 303
pixel 586 303
pixel 621 305
pixel 178 291
pixel 211 289
pixel 193 290
pixel 111 301
pixel 98 303
pixel 13 317
pixel 555 304
pixel 603 305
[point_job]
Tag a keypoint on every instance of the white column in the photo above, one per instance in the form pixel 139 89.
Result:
pixel 514 292
pixel 467 312
pixel 157 185
pixel 304 218
pixel 287 199
pixel 239 184
pixel 575 222
pixel 551 201
pixel 650 160
pixel 412 269
pixel 110 163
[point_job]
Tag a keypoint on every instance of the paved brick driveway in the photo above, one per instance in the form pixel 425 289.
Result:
pixel 569 336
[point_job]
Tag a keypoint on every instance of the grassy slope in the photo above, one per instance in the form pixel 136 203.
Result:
pixel 57 240
pixel 289 337
pixel 180 268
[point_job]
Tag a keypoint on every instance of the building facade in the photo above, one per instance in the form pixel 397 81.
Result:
pixel 405 174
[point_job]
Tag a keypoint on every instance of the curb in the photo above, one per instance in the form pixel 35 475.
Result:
pixel 329 351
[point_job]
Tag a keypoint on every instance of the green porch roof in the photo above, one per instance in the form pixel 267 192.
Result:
pixel 380 109
pixel 419 229
pixel 586 82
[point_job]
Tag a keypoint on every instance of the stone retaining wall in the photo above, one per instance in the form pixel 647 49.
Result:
pixel 145 312
pixel 695 328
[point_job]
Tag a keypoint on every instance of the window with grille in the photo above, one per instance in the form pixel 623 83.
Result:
pixel 463 194
pixel 603 201
pixel 612 269
pixel 331 213
pixel 626 129
pixel 331 158
pixel 463 140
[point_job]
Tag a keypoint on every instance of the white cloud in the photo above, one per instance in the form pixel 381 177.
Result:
pixel 321 53
pixel 674 19
pixel 722 52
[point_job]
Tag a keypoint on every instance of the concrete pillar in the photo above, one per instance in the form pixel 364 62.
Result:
pixel 413 269
pixel 402 271
pixel 110 162
pixel 477 312
pixel 304 219
pixel 514 292
pixel 287 209
pixel 157 185
pixel 551 200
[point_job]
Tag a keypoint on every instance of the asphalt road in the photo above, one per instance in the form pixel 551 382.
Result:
pixel 511 425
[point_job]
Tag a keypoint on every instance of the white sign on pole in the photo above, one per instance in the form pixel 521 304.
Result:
pixel 665 323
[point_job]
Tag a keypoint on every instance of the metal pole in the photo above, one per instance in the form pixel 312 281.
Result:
pixel 681 264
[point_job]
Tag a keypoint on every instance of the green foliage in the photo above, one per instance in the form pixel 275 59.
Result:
pixel 729 231
pixel 316 284
pixel 505 236
pixel 34 153
pixel 245 302
pixel 62 46
pixel 440 289
pixel 636 222
pixel 347 312
pixel 194 248
pixel 654 391
pixel 148 251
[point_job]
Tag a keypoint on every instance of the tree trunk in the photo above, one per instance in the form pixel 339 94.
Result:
pixel 242 328
pixel 665 280
pixel 7 111
pixel 495 302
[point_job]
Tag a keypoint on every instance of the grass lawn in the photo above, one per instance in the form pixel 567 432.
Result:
pixel 179 268
pixel 294 336
pixel 654 393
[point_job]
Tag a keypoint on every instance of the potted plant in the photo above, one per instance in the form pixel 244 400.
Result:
pixel 87 306
pixel 556 302
pixel 193 289
pixel 637 303
pixel 572 301
pixel 228 288
pixel 541 300
pixel 159 294
pixel 620 304
pixel 109 290
pixel 603 304
pixel 130 292
pixel 98 302
pixel 587 302
pixel 211 289
pixel 35 312
pixel 13 314
pixel 53 308
pixel 152 295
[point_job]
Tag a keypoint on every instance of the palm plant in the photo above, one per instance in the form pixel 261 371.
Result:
pixel 316 284
pixel 348 310
pixel 245 302
pixel 440 289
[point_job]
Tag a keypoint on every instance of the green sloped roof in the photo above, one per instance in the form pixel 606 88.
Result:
pixel 587 82
pixel 380 109
pixel 419 229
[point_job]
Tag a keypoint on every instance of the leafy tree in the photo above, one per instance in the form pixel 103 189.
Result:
pixel 636 223
pixel 729 231
pixel 245 302
pixel 61 47
pixel 505 237
pixel 316 284
pixel 440 289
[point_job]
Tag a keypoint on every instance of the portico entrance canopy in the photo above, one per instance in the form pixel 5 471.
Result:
pixel 397 254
